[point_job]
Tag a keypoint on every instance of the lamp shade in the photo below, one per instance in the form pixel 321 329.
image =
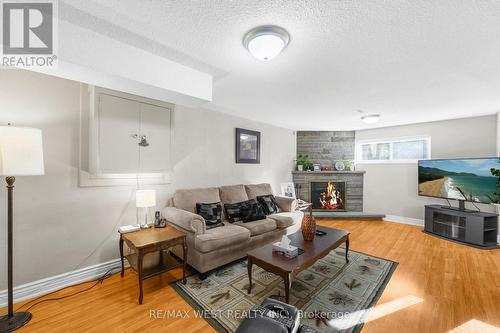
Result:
pixel 21 151
pixel 145 198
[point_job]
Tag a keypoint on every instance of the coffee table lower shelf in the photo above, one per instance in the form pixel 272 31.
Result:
pixel 287 268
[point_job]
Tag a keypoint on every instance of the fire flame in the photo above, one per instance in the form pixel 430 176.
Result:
pixel 331 199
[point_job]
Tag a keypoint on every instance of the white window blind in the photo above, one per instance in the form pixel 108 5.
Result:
pixel 393 150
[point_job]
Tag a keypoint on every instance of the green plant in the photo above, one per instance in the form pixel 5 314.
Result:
pixel 305 162
pixel 495 198
pixel 302 159
pixel 349 164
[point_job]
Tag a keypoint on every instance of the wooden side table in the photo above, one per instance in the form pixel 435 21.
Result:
pixel 152 240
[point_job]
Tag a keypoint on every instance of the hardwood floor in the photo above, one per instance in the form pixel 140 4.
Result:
pixel 455 283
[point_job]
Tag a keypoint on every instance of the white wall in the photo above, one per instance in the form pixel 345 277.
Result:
pixel 392 188
pixel 59 226
pixel 498 134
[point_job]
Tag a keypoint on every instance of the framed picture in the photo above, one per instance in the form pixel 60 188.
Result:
pixel 247 146
pixel 288 190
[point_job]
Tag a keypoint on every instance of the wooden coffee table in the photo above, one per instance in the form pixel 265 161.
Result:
pixel 289 268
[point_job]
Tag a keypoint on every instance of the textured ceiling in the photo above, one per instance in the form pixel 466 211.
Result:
pixel 409 60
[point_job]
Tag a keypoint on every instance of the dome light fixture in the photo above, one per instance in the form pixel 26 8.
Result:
pixel 371 118
pixel 266 42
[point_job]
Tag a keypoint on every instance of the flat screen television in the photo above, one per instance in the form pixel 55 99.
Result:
pixel 470 179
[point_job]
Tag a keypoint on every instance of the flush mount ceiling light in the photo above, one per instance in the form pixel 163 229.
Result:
pixel 266 42
pixel 371 118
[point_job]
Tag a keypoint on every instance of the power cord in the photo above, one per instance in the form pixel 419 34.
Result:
pixel 449 203
pixel 90 255
pixel 97 281
pixel 478 209
pixel 472 202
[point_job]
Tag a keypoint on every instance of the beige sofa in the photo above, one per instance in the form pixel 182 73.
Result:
pixel 212 248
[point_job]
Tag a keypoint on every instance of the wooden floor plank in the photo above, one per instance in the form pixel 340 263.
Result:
pixel 456 283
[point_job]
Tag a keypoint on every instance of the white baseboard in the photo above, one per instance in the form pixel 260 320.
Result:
pixel 404 220
pixel 47 285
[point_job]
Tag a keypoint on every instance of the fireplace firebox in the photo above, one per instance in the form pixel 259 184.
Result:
pixel 330 196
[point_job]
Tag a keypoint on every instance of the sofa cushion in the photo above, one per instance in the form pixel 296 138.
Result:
pixel 233 194
pixel 269 204
pixel 285 219
pixel 287 204
pixel 246 211
pixel 258 227
pixel 220 237
pixel 253 191
pixel 211 212
pixel 187 199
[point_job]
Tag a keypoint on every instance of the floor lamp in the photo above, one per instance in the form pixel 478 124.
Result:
pixel 21 154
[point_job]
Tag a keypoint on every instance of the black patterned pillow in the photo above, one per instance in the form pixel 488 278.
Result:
pixel 211 212
pixel 269 204
pixel 252 211
pixel 233 211
pixel 245 211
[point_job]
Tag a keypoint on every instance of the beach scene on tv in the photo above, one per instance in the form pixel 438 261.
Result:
pixel 472 179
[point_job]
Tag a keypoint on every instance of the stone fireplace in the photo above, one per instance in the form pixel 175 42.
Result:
pixel 331 191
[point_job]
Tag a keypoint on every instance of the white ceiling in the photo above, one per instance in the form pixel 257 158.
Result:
pixel 409 60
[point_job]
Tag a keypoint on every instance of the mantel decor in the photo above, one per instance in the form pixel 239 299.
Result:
pixel 247 146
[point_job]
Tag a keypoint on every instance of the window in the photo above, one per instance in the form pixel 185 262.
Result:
pixel 400 150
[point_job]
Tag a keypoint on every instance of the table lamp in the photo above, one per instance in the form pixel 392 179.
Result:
pixel 21 154
pixel 145 199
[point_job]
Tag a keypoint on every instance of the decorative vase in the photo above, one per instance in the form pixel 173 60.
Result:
pixel 300 167
pixel 308 227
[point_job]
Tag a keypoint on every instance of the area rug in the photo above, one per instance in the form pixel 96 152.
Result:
pixel 333 296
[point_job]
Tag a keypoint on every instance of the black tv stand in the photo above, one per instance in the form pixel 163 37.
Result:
pixel 458 209
pixel 478 229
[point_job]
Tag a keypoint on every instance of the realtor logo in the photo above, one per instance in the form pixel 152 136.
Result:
pixel 29 33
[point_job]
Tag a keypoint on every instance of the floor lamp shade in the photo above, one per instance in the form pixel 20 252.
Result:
pixel 21 151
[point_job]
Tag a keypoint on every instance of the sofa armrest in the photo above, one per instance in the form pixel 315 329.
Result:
pixel 286 204
pixel 185 220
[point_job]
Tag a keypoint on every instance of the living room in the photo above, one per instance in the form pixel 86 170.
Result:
pixel 332 122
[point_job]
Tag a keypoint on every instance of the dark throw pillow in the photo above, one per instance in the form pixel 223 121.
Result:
pixel 252 211
pixel 269 204
pixel 245 211
pixel 211 212
pixel 233 211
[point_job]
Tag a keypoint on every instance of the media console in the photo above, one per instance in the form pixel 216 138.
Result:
pixel 478 229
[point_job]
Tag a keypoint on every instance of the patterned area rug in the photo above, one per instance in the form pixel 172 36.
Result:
pixel 333 296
